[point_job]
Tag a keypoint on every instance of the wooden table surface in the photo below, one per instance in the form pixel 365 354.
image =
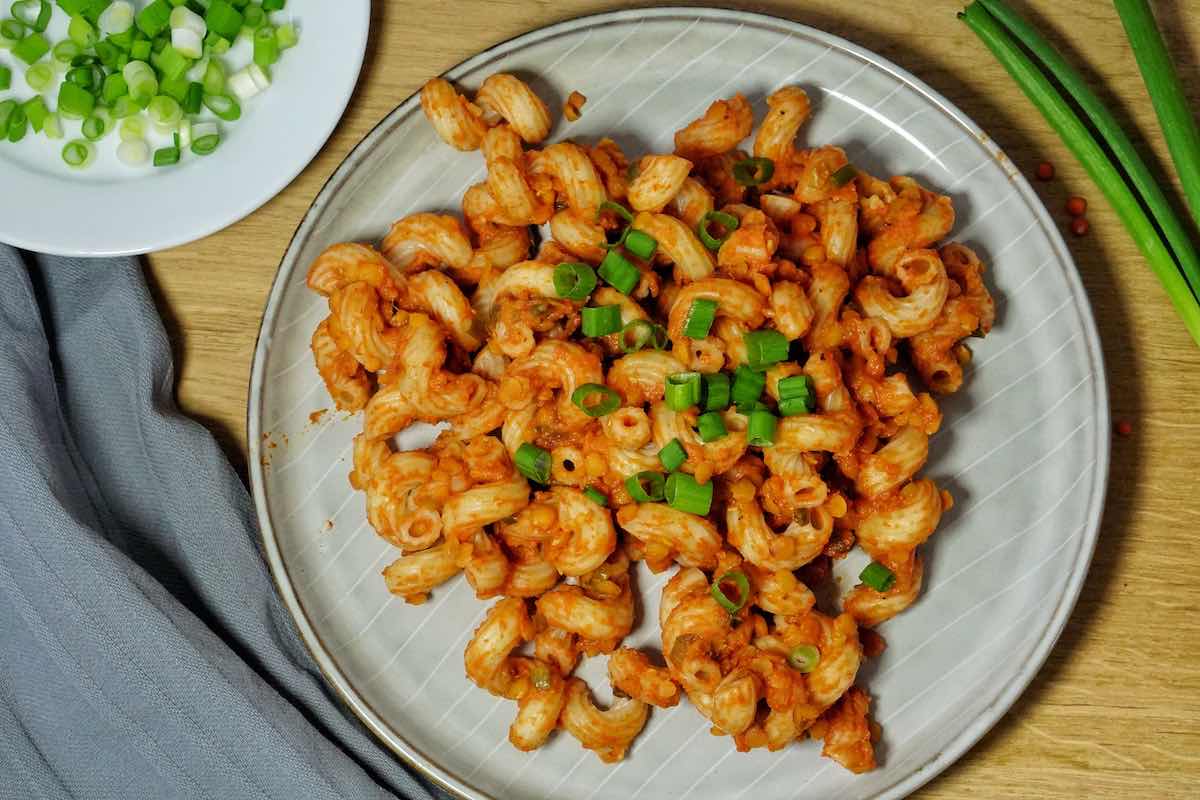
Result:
pixel 1116 711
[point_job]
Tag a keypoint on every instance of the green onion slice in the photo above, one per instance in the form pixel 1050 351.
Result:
pixel 601 320
pixel 616 208
pixel 65 51
pixel 31 48
pixel 727 221
pixel 39 76
pixel 641 244
pixel 753 171
pixel 672 456
pixel 205 138
pixel 711 426
pixel 574 281
pixel 646 487
pixel 596 399
pixel 619 272
pixel 596 496
pixel 166 156
pixel 796 395
pixel 223 106
pixel 700 318
pixel 636 335
pixel 877 576
pixel 804 658
pixel 716 391
pixel 533 462
pixel 6 77
pixel 843 175
pixel 78 153
pixel 748 385
pixel 731 580
pixel 761 430
pixel 683 390
pixel 661 337
pixel 18 124
pixel 764 348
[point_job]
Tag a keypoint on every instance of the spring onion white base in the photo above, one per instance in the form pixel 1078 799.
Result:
pixel 133 152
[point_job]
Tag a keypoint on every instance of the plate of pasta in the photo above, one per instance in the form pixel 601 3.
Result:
pixel 731 423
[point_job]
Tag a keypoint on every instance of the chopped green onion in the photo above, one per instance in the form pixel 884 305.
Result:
pixel 7 107
pixel 700 318
pixel 287 36
pixel 1094 159
pixel 36 112
pixel 216 45
pixel 133 152
pixel 52 127
pixel 601 320
pixel 711 426
pixel 764 348
pixel 533 462
pixel 672 456
pixel 796 395
pixel 116 19
pixel 683 493
pixel 166 156
pixel 273 5
pixel 223 106
pixel 114 87
pixel 596 496
pixel 165 111
pixel 18 124
pixel 193 101
pixel 661 337
pixel 249 81
pixel 596 399
pixel 619 272
pixel 31 48
pixel 6 77
pixel 154 18
pixel 97 126
pixel 753 171
pixel 683 390
pixel 266 46
pixel 125 106
pixel 32 13
pixel 574 281
pixel 843 175
pixel 1116 138
pixel 75 101
pixel 727 221
pixel 81 33
pixel 636 335
pixel 11 32
pixel 646 487
pixel 171 62
pixel 39 76
pixel 616 208
pixel 254 18
pixel 214 78
pixel 133 128
pixel 740 582
pixel 716 391
pixel 641 244
pixel 877 576
pixel 83 77
pixel 65 51
pixel 122 41
pixel 140 79
pixel 804 658
pixel 140 50
pixel 761 430
pixel 223 19
pixel 78 153
pixel 748 385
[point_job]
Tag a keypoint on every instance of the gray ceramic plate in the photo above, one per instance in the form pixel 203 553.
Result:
pixel 1024 448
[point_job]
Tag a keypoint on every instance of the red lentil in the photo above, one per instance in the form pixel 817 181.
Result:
pixel 1123 427
pixel 1045 171
pixel 1079 226
pixel 1076 206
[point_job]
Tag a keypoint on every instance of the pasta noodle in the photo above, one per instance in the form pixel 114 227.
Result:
pixel 727 399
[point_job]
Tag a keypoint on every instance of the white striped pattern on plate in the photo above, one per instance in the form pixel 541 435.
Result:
pixel 1024 448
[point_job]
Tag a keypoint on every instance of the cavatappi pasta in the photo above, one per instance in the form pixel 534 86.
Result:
pixel 704 367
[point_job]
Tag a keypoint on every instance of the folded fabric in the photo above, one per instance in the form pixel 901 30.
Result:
pixel 143 650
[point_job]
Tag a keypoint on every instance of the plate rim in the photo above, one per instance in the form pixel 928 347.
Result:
pixel 1007 694
pixel 266 192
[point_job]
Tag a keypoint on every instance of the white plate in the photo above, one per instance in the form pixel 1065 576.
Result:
pixel 1024 448
pixel 111 209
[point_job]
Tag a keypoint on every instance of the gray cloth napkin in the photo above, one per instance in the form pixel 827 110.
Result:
pixel 143 650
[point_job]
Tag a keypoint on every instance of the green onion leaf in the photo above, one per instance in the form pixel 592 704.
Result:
pixel 39 76
pixel 31 48
pixel 661 337
pixel 273 5
pixel 18 124
pixel 761 430
pixel 223 106
pixel 154 18
pixel 716 391
pixel 574 281
pixel 877 576
pixel 727 221
pixel 646 487
pixel 700 318
pixel 672 456
pixel 711 426
pixel 36 112
pixel 533 462
pixel 596 399
pixel 254 17
pixel 641 244
pixel 682 390
pixel 764 348
pixel 601 320
pixel 804 658
pixel 166 156
pixel 74 100
pixel 616 208
pixel 796 395
pixel 266 47
pixel 619 272
pixel 287 36
pixel 7 107
pixel 636 335
pixel 596 496
pixel 65 51
pixel 78 153
pixel 731 581
pixel 748 385
pixel 205 138
pixel 843 175
pixel 6 77
pixel 753 171
pixel 114 87
pixel 193 100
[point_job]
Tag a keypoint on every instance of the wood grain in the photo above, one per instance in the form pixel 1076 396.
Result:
pixel 1114 713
